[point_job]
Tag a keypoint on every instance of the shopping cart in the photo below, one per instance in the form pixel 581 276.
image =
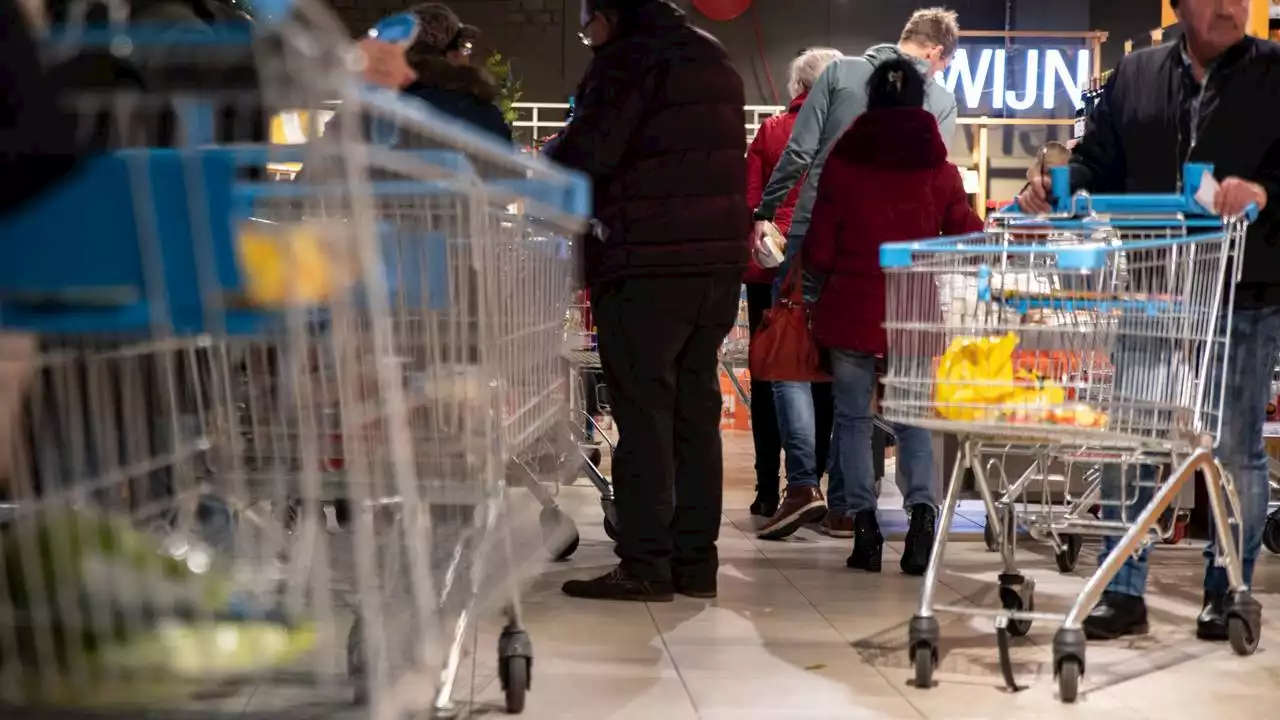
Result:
pixel 222 355
pixel 1133 295
pixel 589 405
pixel 1271 432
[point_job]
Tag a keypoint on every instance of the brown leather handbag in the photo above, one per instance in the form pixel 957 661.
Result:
pixel 783 348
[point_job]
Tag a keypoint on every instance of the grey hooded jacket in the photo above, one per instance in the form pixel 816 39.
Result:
pixel 838 97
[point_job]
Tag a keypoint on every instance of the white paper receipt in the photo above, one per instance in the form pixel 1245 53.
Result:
pixel 1207 195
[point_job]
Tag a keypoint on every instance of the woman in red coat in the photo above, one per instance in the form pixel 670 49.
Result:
pixel 887 179
pixel 771 139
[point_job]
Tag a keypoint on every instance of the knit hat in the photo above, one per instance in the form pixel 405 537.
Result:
pixel 439 29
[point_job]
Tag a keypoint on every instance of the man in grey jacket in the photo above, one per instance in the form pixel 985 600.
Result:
pixel 929 38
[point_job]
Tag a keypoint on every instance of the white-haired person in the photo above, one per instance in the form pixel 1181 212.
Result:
pixel 771 139
pixel 928 40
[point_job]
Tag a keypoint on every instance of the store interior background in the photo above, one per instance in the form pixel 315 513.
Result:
pixel 540 38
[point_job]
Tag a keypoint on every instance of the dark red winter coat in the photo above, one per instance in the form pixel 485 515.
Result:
pixel 887 180
pixel 771 139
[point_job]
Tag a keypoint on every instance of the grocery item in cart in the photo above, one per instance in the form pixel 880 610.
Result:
pixel 978 378
pixel 99 613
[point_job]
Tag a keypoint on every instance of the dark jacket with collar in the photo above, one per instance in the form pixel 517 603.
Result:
pixel 461 91
pixel 658 128
pixel 1140 134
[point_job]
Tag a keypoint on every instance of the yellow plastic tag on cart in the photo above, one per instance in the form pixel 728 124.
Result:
pixel 289 264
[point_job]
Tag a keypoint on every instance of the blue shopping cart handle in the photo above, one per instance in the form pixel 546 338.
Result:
pixel 1184 203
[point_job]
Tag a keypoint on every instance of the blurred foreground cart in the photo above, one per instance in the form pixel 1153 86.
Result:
pixel 221 356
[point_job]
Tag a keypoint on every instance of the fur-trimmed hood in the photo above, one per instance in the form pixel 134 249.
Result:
pixel 436 73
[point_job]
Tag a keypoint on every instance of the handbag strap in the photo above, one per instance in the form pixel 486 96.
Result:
pixel 793 285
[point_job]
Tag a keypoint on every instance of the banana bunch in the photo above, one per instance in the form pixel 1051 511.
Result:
pixel 97 614
pixel 976 381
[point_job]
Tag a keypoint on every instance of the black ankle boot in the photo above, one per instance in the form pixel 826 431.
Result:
pixel 1115 616
pixel 766 504
pixel 1212 623
pixel 868 543
pixel 919 545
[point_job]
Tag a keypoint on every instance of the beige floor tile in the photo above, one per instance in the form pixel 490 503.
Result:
pixel 591 697
pixel 794 634
pixel 852 691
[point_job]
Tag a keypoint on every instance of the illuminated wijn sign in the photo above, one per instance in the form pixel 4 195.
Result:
pixel 978 78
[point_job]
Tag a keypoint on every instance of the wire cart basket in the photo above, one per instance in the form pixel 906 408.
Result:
pixel 1098 335
pixel 204 366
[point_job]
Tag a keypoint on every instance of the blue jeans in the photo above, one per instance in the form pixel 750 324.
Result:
pixel 797 420
pixel 855 381
pixel 1255 344
pixel 798 426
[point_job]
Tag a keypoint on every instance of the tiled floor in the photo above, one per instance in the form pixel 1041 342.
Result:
pixel 796 635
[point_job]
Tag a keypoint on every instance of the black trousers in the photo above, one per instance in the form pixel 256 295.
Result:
pixel 659 345
pixel 765 433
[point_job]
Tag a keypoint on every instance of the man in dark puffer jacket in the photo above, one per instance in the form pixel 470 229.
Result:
pixel 658 127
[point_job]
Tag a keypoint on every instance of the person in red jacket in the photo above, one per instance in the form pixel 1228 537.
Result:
pixel 771 139
pixel 887 179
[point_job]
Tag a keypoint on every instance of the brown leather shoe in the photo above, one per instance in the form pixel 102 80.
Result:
pixel 836 525
pixel 800 505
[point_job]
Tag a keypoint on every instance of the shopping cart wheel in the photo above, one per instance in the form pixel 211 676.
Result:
pixel 355 663
pixel 922 636
pixel 559 533
pixel 342 514
pixel 1069 554
pixel 922 658
pixel 1069 672
pixel 515 665
pixel 1018 594
pixel 610 519
pixel 1271 532
pixel 1244 623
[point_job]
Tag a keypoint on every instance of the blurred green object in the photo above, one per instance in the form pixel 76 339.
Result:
pixel 71 565
pixel 94 611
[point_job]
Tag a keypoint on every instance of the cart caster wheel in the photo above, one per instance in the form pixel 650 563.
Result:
pixel 1019 598
pixel 1243 635
pixel 1271 533
pixel 923 658
pixel 610 519
pixel 515 667
pixel 515 683
pixel 355 664
pixel 1070 553
pixel 559 535
pixel 569 548
pixel 1069 672
pixel 342 514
